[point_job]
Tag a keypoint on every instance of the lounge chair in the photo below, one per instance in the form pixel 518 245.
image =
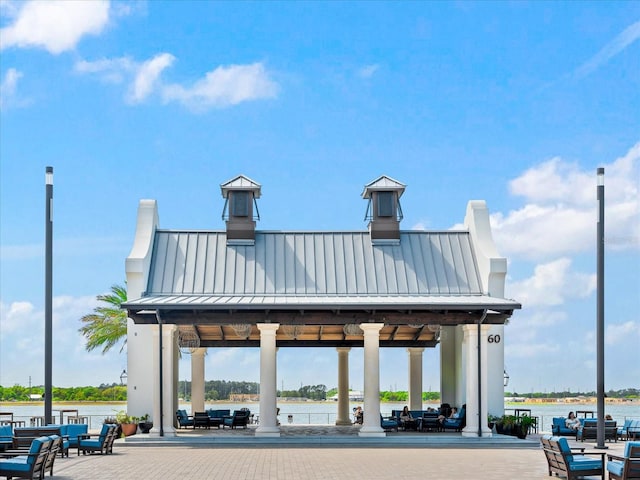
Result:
pixel 6 437
pixel 201 419
pixel 589 430
pixel 73 431
pixel 569 462
pixel 456 424
pixel 30 465
pixel 240 418
pixel 628 466
pixel 559 427
pixel 88 444
pixel 183 419
pixel 622 431
pixel 54 448
pixel 633 430
pixel 388 423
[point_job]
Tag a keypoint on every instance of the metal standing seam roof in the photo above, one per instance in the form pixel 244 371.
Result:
pixel 323 269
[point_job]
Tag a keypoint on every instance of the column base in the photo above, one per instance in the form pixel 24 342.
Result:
pixel 168 432
pixel 474 432
pixel 371 432
pixel 267 432
pixel 343 422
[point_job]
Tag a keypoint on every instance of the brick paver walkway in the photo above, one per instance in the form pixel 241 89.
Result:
pixel 306 462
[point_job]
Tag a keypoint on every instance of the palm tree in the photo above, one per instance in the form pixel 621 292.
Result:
pixel 107 325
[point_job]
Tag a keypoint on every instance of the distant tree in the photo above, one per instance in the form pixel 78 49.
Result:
pixel 107 325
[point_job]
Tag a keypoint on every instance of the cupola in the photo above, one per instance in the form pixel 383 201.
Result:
pixel 240 194
pixel 384 212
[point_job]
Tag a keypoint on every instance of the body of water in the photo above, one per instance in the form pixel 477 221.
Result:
pixel 319 413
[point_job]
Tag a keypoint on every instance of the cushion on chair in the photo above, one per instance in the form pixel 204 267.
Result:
pixel 6 433
pixel 628 447
pixel 583 463
pixel 73 430
pixel 623 429
pixel 15 464
pixel 615 467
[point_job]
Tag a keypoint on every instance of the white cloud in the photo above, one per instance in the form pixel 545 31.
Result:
pixel 610 50
pixel 55 26
pixel 621 332
pixel 22 345
pixel 368 70
pixel 532 350
pixel 552 284
pixel 224 86
pixel 147 76
pixel 420 225
pixel 15 315
pixel 9 90
pixel 111 70
pixel 561 211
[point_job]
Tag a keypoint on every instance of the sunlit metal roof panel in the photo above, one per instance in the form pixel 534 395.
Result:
pixel 313 264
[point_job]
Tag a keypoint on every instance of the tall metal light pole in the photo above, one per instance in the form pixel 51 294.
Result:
pixel 600 314
pixel 48 301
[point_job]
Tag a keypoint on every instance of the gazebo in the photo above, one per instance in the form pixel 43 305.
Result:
pixel 382 287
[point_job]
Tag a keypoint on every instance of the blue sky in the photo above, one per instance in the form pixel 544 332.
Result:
pixel 515 103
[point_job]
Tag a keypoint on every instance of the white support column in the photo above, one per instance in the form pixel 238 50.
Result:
pixel 495 370
pixel 197 379
pixel 169 364
pixel 476 413
pixel 448 365
pixel 343 386
pixel 415 378
pixel 371 421
pixel 268 381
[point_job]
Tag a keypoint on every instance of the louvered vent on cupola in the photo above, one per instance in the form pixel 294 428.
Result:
pixel 384 212
pixel 240 195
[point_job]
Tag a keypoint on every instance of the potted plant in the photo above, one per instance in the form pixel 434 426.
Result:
pixel 523 425
pixel 145 424
pixel 506 424
pixel 128 423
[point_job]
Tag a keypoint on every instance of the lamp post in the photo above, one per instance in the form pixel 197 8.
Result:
pixel 48 298
pixel 600 314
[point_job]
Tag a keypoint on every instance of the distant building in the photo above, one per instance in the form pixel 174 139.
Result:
pixel 354 396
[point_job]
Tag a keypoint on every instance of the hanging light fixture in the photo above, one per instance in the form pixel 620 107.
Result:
pixel 352 329
pixel 243 330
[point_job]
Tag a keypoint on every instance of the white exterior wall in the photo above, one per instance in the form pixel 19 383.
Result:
pixel 140 338
pixel 495 371
pixel 493 270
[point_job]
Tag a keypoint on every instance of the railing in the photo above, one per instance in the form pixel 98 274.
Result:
pixel 296 418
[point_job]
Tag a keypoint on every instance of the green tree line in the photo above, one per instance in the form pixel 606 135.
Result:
pixel 103 393
pixel 222 390
pixel 628 393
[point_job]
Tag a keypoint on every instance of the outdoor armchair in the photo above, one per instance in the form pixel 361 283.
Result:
pixel 96 443
pixel 456 424
pixel 54 448
pixel 240 418
pixel 628 466
pixel 30 465
pixel 183 419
